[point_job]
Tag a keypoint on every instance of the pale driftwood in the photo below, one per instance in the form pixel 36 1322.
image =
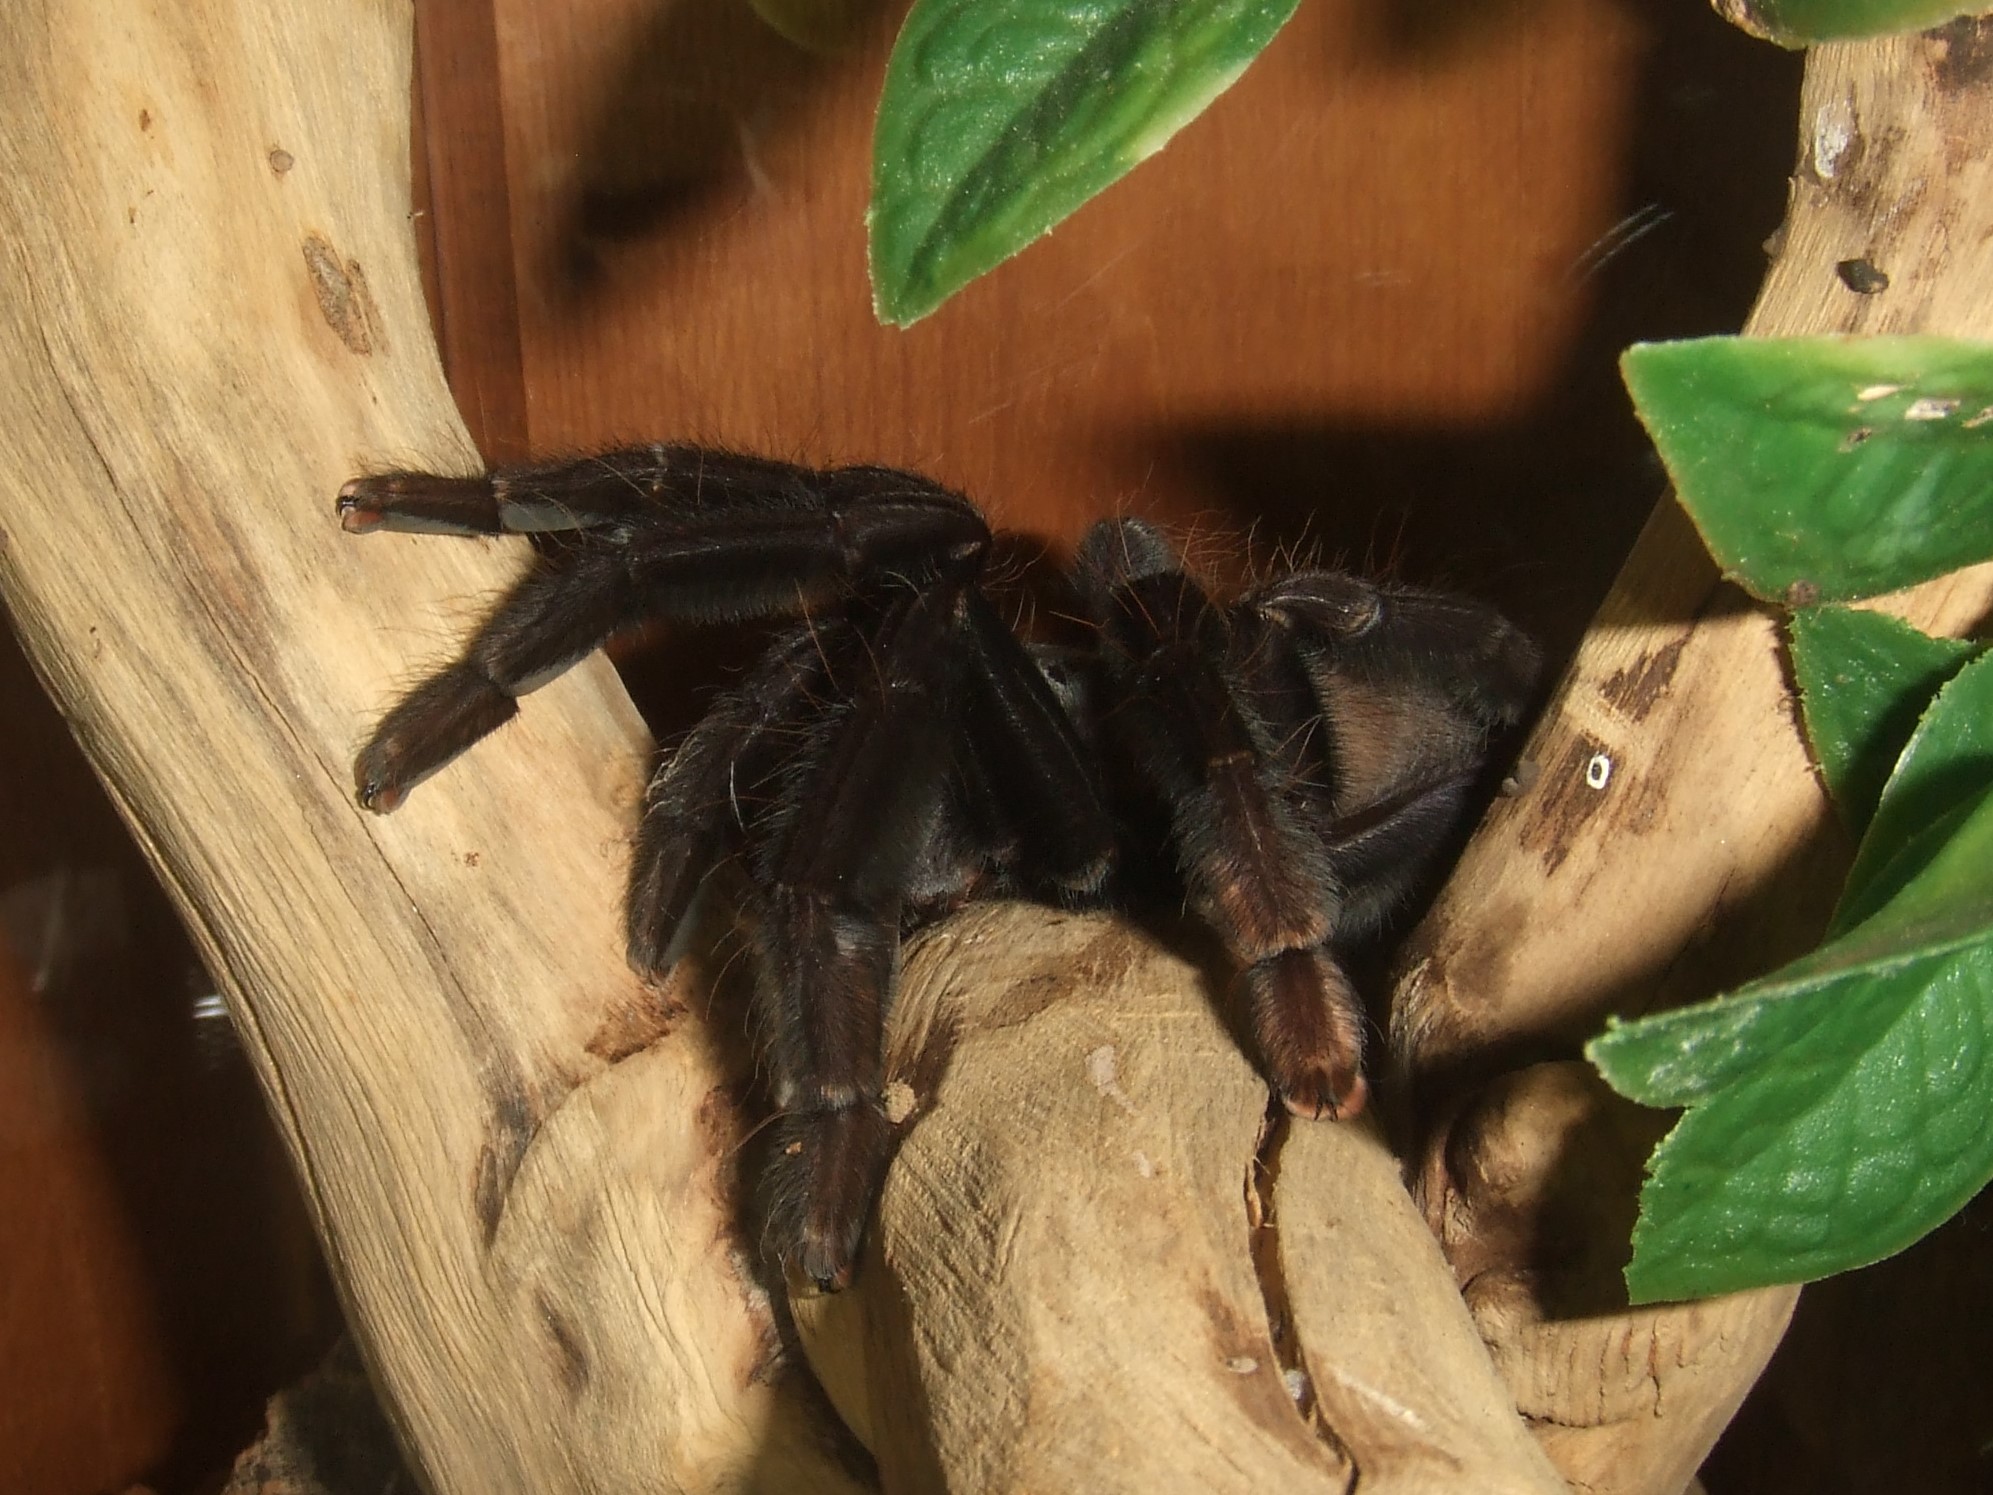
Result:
pixel 1072 1282
pixel 209 318
pixel 1701 848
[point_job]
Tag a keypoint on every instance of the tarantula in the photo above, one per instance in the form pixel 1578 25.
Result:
pixel 1297 753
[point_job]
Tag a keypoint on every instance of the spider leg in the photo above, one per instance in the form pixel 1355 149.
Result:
pixel 831 861
pixel 1026 760
pixel 698 803
pixel 558 613
pixel 632 485
pixel 1251 866
pixel 712 538
pixel 1483 661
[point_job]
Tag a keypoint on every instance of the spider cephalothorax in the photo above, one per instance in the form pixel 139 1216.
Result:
pixel 1301 751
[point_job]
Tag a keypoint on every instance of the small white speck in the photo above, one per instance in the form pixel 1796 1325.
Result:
pixel 1242 1365
pixel 897 1100
pixel 1598 772
pixel 1876 392
pixel 1105 1071
pixel 1930 408
pixel 1833 138
pixel 209 1007
pixel 1296 1381
pixel 1142 1164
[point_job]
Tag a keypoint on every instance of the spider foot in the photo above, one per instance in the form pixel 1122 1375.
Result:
pixel 419 503
pixel 1310 1029
pixel 435 722
pixel 821 1183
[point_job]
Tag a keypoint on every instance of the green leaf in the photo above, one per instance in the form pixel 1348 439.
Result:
pixel 999 119
pixel 1948 760
pixel 1821 469
pixel 1864 679
pixel 1798 23
pixel 1838 1108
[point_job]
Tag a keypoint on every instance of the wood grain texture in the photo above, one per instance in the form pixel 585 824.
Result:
pixel 1675 840
pixel 1101 1256
pixel 211 317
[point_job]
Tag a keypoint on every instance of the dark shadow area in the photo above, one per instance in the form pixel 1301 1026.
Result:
pixel 1536 513
pixel 1883 1382
pixel 704 89
pixel 1405 32
pixel 240 1299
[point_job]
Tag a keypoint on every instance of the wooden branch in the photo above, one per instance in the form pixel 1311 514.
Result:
pixel 1675 840
pixel 209 318
pixel 1101 1258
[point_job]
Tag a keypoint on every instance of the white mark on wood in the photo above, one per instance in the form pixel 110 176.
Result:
pixel 1931 408
pixel 1834 138
pixel 1105 1071
pixel 1598 772
pixel 1519 778
pixel 1296 1381
pixel 1389 1405
pixel 897 1100
pixel 1142 1164
pixel 1242 1365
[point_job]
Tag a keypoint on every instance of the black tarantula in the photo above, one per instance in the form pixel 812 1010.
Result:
pixel 1298 754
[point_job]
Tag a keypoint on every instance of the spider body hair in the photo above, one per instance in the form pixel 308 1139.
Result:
pixel 1296 756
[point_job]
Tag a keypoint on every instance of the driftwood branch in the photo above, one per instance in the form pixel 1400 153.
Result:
pixel 1102 1257
pixel 1098 1259
pixel 1674 840
pixel 210 318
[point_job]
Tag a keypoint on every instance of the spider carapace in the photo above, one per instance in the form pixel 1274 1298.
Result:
pixel 1293 757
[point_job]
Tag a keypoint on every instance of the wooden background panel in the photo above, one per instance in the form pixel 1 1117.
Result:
pixel 1371 298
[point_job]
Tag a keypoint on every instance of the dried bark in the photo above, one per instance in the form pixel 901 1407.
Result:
pixel 1674 839
pixel 518 1159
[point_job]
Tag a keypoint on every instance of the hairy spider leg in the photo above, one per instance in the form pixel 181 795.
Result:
pixel 737 538
pixel 1251 867
pixel 1030 773
pixel 557 613
pixel 699 801
pixel 621 487
pixel 832 859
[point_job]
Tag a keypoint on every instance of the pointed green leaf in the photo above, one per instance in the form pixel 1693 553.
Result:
pixel 1837 1114
pixel 1821 469
pixel 998 120
pixel 1947 761
pixel 1864 679
pixel 1838 1108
